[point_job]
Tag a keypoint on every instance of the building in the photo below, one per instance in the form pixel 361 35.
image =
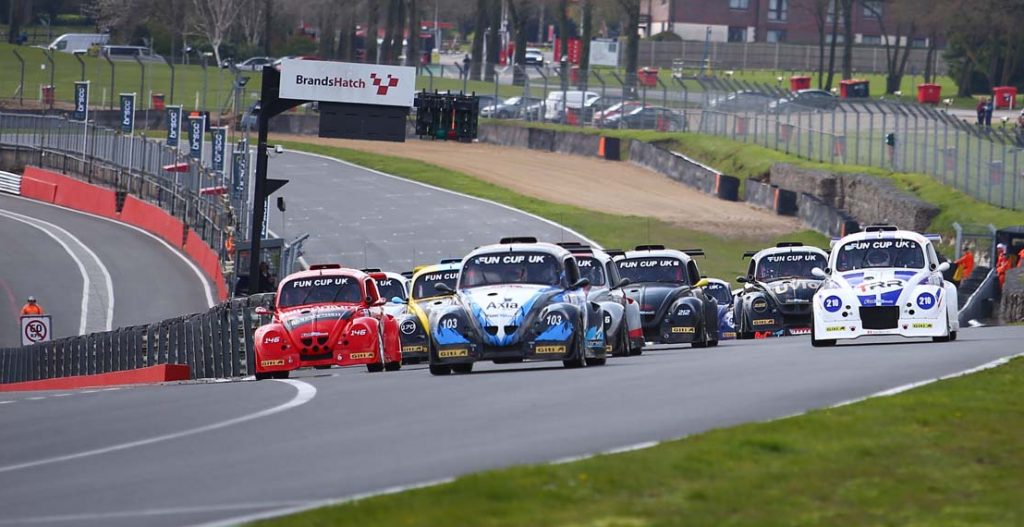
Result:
pixel 788 21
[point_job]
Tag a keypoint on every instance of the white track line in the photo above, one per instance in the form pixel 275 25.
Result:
pixel 617 450
pixel 195 269
pixel 305 393
pixel 83 323
pixel 169 511
pixel 583 238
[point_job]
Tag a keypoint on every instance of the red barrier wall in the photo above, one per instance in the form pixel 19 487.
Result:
pixel 207 260
pixel 77 195
pixel 36 189
pixel 153 219
pixel 151 374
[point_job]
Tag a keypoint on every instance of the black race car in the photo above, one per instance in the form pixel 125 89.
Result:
pixel 777 291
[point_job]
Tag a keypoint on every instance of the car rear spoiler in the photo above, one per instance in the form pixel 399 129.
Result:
pixel 649 248
pixel 517 239
pixel 576 247
pixel 615 252
pixel 748 254
pixel 450 260
pixel 370 270
pixel 789 244
pixel 319 267
pixel 407 274
pixel 694 252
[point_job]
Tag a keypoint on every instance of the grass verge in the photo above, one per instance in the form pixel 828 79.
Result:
pixel 610 230
pixel 947 454
pixel 745 160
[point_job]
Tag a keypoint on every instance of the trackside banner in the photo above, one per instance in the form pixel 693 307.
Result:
pixel 127 113
pixel 240 172
pixel 196 127
pixel 173 125
pixel 320 80
pixel 220 140
pixel 81 112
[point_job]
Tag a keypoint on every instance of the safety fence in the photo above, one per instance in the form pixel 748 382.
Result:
pixel 214 344
pixel 131 166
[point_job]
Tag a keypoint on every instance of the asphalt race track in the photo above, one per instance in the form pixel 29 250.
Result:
pixel 360 218
pixel 149 282
pixel 362 432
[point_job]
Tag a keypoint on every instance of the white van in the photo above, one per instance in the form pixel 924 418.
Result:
pixel 554 107
pixel 70 42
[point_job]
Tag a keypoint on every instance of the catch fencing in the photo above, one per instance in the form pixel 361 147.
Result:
pixel 214 344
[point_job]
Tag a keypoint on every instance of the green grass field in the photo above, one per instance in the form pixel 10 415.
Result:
pixel 610 230
pixel 948 454
pixel 188 81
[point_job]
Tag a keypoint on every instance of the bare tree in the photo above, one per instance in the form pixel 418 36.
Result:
pixel 900 18
pixel 631 9
pixel 836 7
pixel 493 39
pixel 517 10
pixel 586 34
pixel 251 21
pixel 372 22
pixel 479 31
pixel 213 19
pixel 412 49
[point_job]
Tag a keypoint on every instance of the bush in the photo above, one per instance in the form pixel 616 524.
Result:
pixel 298 45
pixel 666 36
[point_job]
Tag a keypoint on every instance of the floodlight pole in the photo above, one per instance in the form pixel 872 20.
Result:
pixel 270 105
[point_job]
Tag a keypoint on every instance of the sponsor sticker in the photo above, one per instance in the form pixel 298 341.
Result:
pixel 832 304
pixel 799 331
pixel 729 334
pixel 835 328
pixel 408 327
pixel 684 329
pixel 550 349
pixel 414 349
pixel 922 325
pixel 759 304
pixel 362 355
pixel 268 363
pixel 359 332
pixel 461 352
pixel 272 340
pixel 925 301
pixel 763 321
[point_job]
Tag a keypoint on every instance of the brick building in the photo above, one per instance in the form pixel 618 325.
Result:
pixel 788 21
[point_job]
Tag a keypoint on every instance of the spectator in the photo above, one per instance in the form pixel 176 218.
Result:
pixel 1002 264
pixel 980 109
pixel 964 266
pixel 31 308
pixel 989 107
pixel 466 61
pixel 266 279
pixel 1020 257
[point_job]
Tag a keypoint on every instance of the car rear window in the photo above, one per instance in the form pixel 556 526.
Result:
pixel 319 290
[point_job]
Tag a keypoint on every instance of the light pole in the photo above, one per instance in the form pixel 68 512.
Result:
pixel 206 56
pixel 78 55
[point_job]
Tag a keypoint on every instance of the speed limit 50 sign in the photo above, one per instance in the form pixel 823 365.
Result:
pixel 35 329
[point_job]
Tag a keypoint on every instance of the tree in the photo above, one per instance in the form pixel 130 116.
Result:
pixel 412 50
pixel 268 14
pixel 563 30
pixel 517 10
pixel 479 32
pixel 900 18
pixel 493 39
pixel 251 22
pixel 213 19
pixel 847 14
pixel 20 11
pixel 328 18
pixel 820 11
pixel 836 7
pixel 587 34
pixel 372 21
pixel 631 9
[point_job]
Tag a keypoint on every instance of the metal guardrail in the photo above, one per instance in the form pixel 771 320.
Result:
pixel 10 183
pixel 981 303
pixel 214 344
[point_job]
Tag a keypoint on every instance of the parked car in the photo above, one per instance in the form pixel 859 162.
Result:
pixel 742 101
pixel 805 101
pixel 254 63
pixel 130 53
pixel 511 108
pixel 534 57
pixel 554 107
pixel 615 109
pixel 648 118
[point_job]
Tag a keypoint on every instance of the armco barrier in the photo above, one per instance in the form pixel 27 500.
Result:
pixel 214 344
pixel 76 194
pixel 153 219
pixel 145 375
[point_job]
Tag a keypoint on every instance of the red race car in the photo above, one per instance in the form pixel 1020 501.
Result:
pixel 327 316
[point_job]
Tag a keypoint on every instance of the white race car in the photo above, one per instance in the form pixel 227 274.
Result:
pixel 884 281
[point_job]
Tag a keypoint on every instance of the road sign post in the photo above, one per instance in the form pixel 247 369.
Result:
pixel 35 329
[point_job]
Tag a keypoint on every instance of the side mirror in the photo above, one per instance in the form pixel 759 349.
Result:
pixel 397 300
pixel 623 282
pixel 441 287
pixel 262 311
pixel 943 267
pixel 742 279
pixel 703 282
pixel 818 273
pixel 582 282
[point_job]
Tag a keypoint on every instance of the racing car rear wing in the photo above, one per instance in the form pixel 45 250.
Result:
pixel 649 248
pixel 517 239
pixel 748 254
pixel 693 252
pixel 615 252
pixel 407 274
pixel 450 260
pixel 789 244
pixel 318 267
pixel 369 270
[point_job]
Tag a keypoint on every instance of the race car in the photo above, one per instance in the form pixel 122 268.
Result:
pixel 777 291
pixel 393 288
pixel 884 281
pixel 517 300
pixel 621 314
pixel 722 292
pixel 323 317
pixel 667 284
pixel 424 298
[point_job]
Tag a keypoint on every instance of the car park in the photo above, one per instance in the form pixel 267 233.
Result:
pixel 648 118
pixel 326 316
pixel 667 285
pixel 777 290
pixel 742 101
pixel 511 108
pixel 517 300
pixel 805 101
pixel 424 299
pixel 884 281
pixel 623 332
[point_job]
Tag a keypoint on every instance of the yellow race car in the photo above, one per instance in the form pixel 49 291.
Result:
pixel 414 327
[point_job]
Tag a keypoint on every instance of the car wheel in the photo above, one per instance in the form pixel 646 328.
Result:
pixel 950 335
pixel 621 347
pixel 393 366
pixel 463 368
pixel 712 343
pixel 597 362
pixel 579 359
pixel 282 374
pixel 436 369
pixel 264 376
pixel 823 343
pixel 703 342
pixel 375 367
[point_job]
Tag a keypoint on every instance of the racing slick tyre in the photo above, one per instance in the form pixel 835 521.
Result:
pixel 281 374
pixel 375 367
pixel 712 343
pixel 411 361
pixel 462 368
pixel 393 366
pixel 822 343
pixel 950 336
pixel 621 347
pixel 579 355
pixel 323 367
pixel 440 369
pixel 264 376
pixel 703 342
pixel 596 361
pixel 744 335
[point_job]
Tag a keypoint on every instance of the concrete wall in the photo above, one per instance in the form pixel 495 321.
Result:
pixel 1011 308
pixel 868 199
pixel 573 143
pixel 673 165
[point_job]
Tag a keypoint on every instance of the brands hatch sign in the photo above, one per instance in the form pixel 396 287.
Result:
pixel 318 80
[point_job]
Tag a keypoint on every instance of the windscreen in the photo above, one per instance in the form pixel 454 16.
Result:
pixel 390 288
pixel 720 292
pixel 591 269
pixel 789 265
pixel 653 269
pixel 423 286
pixel 869 254
pixel 326 289
pixel 511 268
